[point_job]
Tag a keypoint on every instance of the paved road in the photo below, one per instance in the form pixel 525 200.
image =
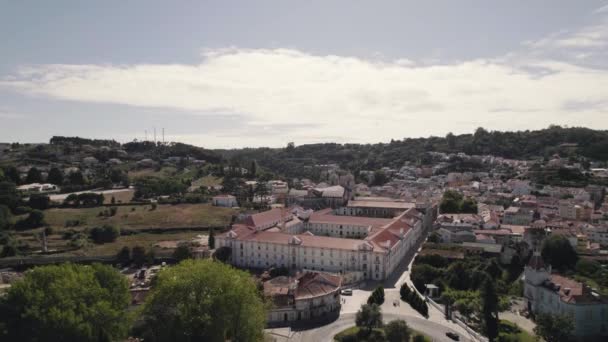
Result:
pixel 326 333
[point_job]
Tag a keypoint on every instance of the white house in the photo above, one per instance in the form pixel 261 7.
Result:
pixel 227 201
pixel 556 294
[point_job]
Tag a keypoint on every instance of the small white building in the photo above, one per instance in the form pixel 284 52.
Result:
pixel 227 201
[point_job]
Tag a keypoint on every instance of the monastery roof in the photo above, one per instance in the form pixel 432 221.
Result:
pixel 267 217
pixel 380 204
pixel 325 216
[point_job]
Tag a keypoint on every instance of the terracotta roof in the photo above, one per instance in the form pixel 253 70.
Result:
pixel 568 289
pixel 312 284
pixel 267 217
pixel 380 204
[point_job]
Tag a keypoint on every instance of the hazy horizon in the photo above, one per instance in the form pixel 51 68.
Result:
pixel 264 73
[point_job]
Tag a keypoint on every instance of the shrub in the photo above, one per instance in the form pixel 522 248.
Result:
pixel 107 233
pixel 419 338
pixel 22 210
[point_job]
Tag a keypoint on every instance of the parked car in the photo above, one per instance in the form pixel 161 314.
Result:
pixel 347 292
pixel 453 336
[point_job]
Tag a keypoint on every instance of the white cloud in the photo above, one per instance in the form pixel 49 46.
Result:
pixel 340 98
pixel 600 10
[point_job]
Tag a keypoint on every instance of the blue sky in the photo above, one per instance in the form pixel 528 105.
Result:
pixel 263 73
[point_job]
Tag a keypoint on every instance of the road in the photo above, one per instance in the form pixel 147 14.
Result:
pixel 435 326
pixel 326 333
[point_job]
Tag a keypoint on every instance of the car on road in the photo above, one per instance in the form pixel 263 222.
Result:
pixel 453 336
pixel 347 292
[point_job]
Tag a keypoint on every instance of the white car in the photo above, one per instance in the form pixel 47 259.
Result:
pixel 347 292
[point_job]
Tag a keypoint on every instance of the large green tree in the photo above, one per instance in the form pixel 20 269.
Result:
pixel 5 217
pixel 55 176
pixel 204 300
pixel 11 174
pixel 369 316
pixel 489 308
pixel 67 303
pixel 397 331
pixel 8 195
pixel 33 176
pixel 558 251
pixel 554 328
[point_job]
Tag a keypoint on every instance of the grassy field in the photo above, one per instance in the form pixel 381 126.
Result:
pixel 141 216
pixel 207 181
pixel 62 246
pixel 351 333
pixel 120 197
pixel 167 171
pixel 147 240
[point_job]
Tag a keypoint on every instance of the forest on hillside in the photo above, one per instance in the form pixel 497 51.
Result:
pixel 298 160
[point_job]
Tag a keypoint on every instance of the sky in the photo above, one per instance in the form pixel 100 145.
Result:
pixel 229 74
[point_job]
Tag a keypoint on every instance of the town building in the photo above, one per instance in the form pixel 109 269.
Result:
pixel 518 216
pixel 306 296
pixel 556 294
pixel 227 201
pixel 356 248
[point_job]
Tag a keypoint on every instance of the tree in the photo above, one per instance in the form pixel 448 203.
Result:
pixel 397 331
pixel 451 140
pixel 39 201
pixel 8 195
pixel 489 300
pixel 104 234
pixel 211 239
pixel 5 217
pixel 369 316
pixel 380 178
pixel 377 296
pixel 203 300
pixel 35 219
pixel 419 338
pixel 468 206
pixel 11 174
pixel 76 178
pixel 67 303
pixel 554 328
pixel 450 202
pixel 223 254
pixel 253 169
pixel 33 176
pixel 124 256
pixel 182 252
pixel 138 254
pixel 55 176
pixel 558 252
